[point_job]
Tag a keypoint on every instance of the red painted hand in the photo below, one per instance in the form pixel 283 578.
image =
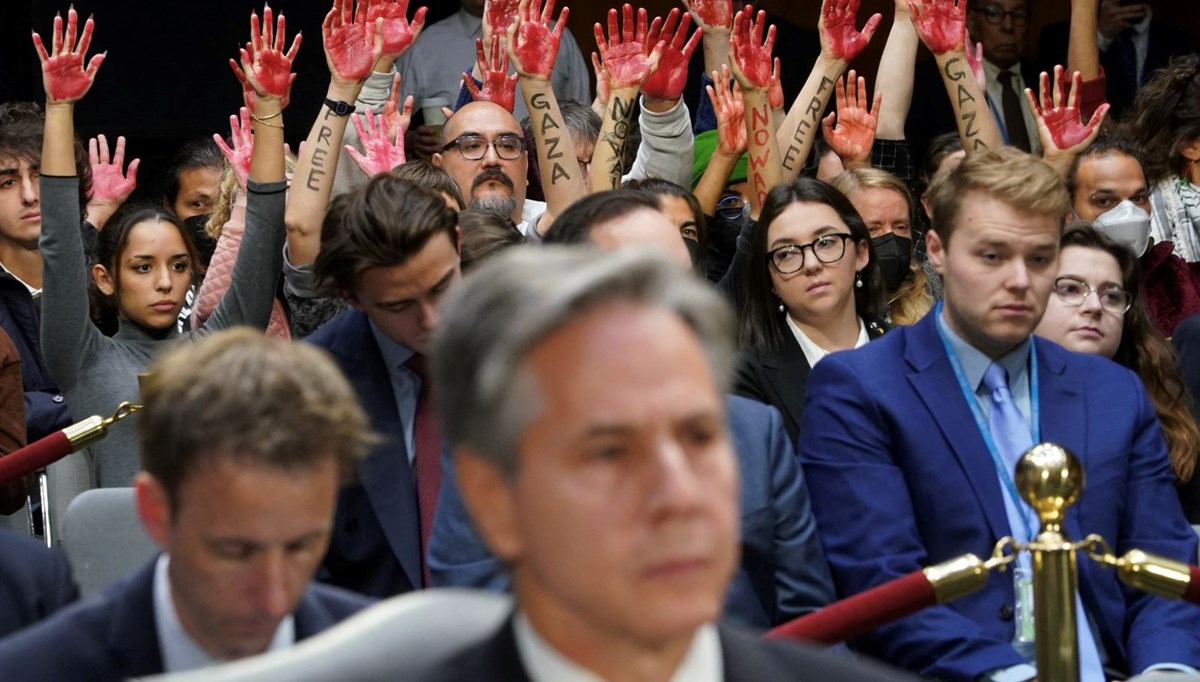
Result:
pixel 265 67
pixel 775 96
pixel 63 73
pixel 395 117
pixel 1060 127
pixel 751 55
pixel 975 61
pixel 711 14
pixel 855 132
pixel 942 24
pixel 603 87
pixel 498 86
pixel 669 79
pixel 625 56
pixel 353 41
pixel 839 38
pixel 109 185
pixel 243 145
pixel 381 155
pixel 498 15
pixel 730 110
pixel 398 32
pixel 532 46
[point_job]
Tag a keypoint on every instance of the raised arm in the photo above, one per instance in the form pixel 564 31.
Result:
pixel 532 49
pixel 751 64
pixel 896 67
pixel 731 140
pixel 111 185
pixel 854 134
pixel 65 328
pixel 382 142
pixel 627 60
pixel 352 45
pixel 715 19
pixel 1061 129
pixel 841 42
pixel 941 24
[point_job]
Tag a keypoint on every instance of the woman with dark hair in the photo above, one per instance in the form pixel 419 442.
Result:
pixel 683 209
pixel 1165 127
pixel 813 287
pixel 1096 308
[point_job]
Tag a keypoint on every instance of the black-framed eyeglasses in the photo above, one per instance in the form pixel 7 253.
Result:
pixel 473 147
pixel 994 14
pixel 1074 292
pixel 828 248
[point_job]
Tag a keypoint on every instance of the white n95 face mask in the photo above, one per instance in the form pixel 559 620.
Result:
pixel 1127 224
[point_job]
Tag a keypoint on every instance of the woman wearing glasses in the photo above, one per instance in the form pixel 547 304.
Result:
pixel 812 288
pixel 1095 309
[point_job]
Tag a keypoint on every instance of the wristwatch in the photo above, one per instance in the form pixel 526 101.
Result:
pixel 339 108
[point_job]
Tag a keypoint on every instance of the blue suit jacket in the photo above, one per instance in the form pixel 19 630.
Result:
pixel 35 581
pixel 112 635
pixel 901 478
pixel 376 544
pixel 783 573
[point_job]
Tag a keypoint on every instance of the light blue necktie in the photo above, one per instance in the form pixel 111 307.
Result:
pixel 1012 437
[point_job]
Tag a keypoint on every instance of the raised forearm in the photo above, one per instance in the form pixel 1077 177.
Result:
pixel 562 181
pixel 712 182
pixel 610 145
pixel 1083 51
pixel 800 128
pixel 976 126
pixel 896 75
pixel 764 170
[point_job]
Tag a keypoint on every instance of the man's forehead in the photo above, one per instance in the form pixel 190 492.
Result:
pixel 1113 167
pixel 483 118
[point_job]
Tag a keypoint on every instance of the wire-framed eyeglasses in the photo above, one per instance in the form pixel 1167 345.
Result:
pixel 994 14
pixel 1074 292
pixel 828 248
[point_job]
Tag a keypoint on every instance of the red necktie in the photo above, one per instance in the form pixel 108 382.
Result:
pixel 427 443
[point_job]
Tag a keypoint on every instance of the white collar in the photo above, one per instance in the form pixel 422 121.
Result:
pixel 814 353
pixel 543 663
pixel 179 651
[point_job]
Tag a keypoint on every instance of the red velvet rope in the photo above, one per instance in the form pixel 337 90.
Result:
pixel 34 456
pixel 862 612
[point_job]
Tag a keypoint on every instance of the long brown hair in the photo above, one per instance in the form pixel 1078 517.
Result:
pixel 1144 350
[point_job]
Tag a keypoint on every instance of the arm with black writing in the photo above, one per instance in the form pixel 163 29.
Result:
pixel 627 59
pixel 352 46
pixel 841 42
pixel 941 24
pixel 751 63
pixel 532 50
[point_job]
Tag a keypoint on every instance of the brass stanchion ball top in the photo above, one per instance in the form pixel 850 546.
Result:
pixel 1050 478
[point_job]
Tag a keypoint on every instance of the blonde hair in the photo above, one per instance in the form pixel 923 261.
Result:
pixel 1016 178
pixel 912 300
pixel 228 197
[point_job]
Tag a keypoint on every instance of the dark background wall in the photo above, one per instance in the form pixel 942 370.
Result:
pixel 166 78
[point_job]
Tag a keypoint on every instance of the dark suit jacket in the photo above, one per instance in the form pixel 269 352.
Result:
pixel 744 657
pixel 901 478
pixel 783 573
pixel 35 581
pixel 376 544
pixel 112 635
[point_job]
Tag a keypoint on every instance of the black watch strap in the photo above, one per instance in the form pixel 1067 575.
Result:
pixel 339 108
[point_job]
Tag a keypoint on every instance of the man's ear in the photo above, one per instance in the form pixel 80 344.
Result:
pixel 103 280
pixel 491 501
pixel 153 508
pixel 436 160
pixel 935 251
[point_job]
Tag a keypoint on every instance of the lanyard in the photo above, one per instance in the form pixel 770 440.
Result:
pixel 973 402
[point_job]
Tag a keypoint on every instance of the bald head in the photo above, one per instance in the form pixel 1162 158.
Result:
pixel 489 182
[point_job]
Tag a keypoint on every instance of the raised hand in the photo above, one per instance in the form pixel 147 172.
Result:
pixel 975 61
pixel 266 69
pixel 63 74
pixel 751 56
pixel 532 46
pixel 243 145
pixel 110 186
pixel 839 38
pixel 498 86
pixel 775 95
pixel 730 110
pixel 669 79
pixel 603 87
pixel 1060 127
pixel 398 32
pixel 625 55
pixel 395 117
pixel 942 24
pixel 854 134
pixel 382 155
pixel 353 42
pixel 498 15
pixel 711 14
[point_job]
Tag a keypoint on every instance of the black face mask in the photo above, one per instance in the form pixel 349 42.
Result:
pixel 894 255
pixel 205 245
pixel 696 254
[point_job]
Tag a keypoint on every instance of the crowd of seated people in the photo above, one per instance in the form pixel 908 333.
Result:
pixel 671 378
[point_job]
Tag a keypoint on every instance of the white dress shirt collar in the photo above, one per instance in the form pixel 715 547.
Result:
pixel 814 353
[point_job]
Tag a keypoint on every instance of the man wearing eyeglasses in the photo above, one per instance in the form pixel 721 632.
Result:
pixel 909 444
pixel 1002 27
pixel 483 149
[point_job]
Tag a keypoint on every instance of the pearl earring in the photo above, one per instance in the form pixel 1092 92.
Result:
pixel 858 280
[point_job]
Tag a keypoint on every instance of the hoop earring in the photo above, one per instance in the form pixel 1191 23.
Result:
pixel 858 280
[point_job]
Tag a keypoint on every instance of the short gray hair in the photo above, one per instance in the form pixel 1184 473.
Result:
pixel 513 301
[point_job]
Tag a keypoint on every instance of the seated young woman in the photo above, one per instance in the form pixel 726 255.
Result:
pixel 813 287
pixel 1096 308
